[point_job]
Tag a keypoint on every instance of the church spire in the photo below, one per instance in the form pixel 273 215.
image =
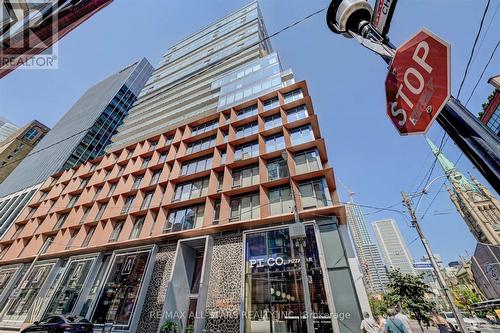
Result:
pixel 456 178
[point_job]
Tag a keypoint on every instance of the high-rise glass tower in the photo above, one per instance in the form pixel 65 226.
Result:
pixel 393 246
pixel 84 131
pixel 370 260
pixel 221 65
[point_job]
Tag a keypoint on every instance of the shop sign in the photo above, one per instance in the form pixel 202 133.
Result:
pixel 128 265
pixel 274 262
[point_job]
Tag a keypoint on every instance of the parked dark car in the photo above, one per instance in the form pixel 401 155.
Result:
pixel 60 324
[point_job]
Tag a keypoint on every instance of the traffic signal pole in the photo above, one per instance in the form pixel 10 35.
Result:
pixel 475 140
pixel 442 283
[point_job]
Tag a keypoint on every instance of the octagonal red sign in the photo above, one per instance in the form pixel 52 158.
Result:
pixel 418 83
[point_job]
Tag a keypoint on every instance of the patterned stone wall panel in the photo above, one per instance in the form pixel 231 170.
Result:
pixel 224 291
pixel 155 297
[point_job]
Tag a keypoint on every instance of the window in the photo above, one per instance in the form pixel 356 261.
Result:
pixel 137 228
pixel 276 169
pixel 43 196
pixel 46 244
pixel 220 181
pixel 72 201
pixel 156 177
pixel 280 200
pixel 112 189
pixel 129 154
pixel 145 162
pixel 223 157
pixel 116 231
pixel 247 112
pixel 196 165
pixel 245 207
pixel 246 176
pixel 153 145
pixel 163 157
pixel 185 218
pixel 86 211
pixel 31 212
pixel 169 139
pixel 97 191
pixel 307 161
pixel 275 142
pixel 106 173
pixel 246 130
pixel 31 134
pixel 88 236
pixel 84 183
pixel 216 211
pixel 271 103
pixel 72 236
pixel 246 151
pixel 60 221
pixel 204 127
pixel 100 212
pixel 19 229
pixel 296 113
pixel 191 190
pixel 314 193
pixel 224 136
pixel 272 121
pixel 93 167
pixel 201 145
pixel 147 200
pixel 121 169
pixel 128 204
pixel 137 182
pixel 293 96
pixel 302 134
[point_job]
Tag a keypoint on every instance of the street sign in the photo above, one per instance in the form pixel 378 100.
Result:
pixel 382 15
pixel 422 265
pixel 418 83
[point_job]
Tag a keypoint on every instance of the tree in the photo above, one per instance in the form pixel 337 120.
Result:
pixel 465 297
pixel 409 292
pixel 378 305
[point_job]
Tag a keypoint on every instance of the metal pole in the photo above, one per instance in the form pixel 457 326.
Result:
pixel 302 258
pixel 441 281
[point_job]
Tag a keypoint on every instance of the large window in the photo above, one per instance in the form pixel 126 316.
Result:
pixel 6 275
pixel 128 204
pixel 314 193
pixel 272 121
pixel 247 130
pixel 247 112
pixel 280 200
pixel 137 181
pixel 155 177
pixel 245 207
pixel 204 127
pixel 293 95
pixel 246 151
pixel 276 169
pixel 147 200
pixel 31 134
pixel 271 103
pixel 67 293
pixel 296 113
pixel 273 285
pixel 275 142
pixel 307 161
pixel 100 212
pixel 185 218
pixel 72 201
pixel 121 290
pixel 191 190
pixel 197 165
pixel 302 134
pixel 137 228
pixel 117 230
pixel 246 176
pixel 60 221
pixel 201 145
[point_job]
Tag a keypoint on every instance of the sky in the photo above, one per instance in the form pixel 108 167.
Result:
pixel 345 80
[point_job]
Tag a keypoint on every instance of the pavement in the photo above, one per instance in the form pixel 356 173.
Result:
pixel 416 329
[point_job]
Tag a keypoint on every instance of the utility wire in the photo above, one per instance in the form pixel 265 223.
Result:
pixel 482 73
pixel 182 80
pixel 473 48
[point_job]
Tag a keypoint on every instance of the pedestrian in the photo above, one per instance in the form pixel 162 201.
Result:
pixel 381 322
pixel 406 321
pixel 440 322
pixel 393 324
pixel 368 325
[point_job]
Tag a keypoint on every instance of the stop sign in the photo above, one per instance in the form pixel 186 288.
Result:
pixel 418 84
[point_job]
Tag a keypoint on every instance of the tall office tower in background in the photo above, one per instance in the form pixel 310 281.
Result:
pixel 393 246
pixel 6 128
pixel 478 207
pixel 197 77
pixel 18 145
pixel 81 135
pixel 370 260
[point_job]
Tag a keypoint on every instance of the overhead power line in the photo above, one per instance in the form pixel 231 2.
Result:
pixel 482 73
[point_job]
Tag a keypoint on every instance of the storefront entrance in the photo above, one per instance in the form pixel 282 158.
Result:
pixel 273 286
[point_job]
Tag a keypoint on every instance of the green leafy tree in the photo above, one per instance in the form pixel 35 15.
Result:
pixel 378 305
pixel 409 292
pixel 465 297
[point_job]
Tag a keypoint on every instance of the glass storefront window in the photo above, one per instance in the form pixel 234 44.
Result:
pixel 273 284
pixel 18 305
pixel 118 299
pixel 5 276
pixel 69 290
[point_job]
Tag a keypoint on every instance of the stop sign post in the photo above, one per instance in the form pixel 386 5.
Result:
pixel 418 82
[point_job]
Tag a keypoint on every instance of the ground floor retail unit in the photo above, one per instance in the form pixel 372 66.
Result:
pixel 238 281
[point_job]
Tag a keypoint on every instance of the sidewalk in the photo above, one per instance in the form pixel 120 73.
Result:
pixel 416 329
